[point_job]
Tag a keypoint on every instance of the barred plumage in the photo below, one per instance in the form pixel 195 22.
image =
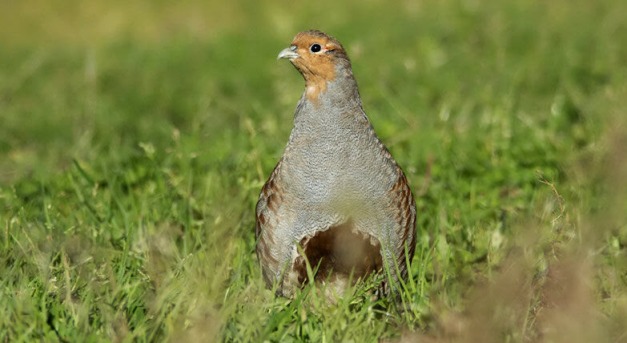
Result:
pixel 336 199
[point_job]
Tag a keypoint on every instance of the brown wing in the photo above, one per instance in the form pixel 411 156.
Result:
pixel 266 213
pixel 405 216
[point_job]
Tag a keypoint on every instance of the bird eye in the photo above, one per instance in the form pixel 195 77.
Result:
pixel 315 48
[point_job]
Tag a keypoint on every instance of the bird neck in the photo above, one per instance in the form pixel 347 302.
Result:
pixel 338 106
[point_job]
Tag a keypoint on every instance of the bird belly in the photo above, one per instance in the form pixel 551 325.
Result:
pixel 340 227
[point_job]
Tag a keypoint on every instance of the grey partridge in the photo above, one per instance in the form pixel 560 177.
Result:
pixel 336 199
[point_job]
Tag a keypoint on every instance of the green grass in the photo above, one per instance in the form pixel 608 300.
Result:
pixel 134 140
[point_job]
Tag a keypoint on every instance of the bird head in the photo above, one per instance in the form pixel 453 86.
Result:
pixel 319 58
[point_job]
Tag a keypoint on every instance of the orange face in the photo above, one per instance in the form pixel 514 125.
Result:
pixel 314 54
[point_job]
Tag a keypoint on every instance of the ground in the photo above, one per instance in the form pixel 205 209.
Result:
pixel 135 138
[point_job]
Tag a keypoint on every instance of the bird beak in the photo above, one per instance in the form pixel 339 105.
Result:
pixel 289 53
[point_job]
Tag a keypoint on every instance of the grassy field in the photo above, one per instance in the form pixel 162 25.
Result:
pixel 135 137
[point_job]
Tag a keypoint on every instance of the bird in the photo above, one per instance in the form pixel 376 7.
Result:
pixel 337 207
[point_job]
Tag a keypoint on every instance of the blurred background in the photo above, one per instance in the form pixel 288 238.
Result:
pixel 82 71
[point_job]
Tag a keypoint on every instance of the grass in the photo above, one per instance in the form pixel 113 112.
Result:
pixel 135 139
